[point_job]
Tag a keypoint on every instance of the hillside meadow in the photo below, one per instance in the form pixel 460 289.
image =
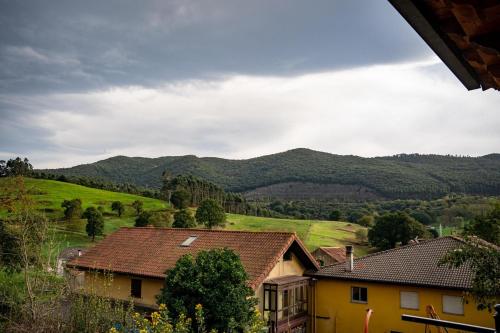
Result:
pixel 49 194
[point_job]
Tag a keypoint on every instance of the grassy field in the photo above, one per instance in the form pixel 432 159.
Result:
pixel 313 233
pixel 48 196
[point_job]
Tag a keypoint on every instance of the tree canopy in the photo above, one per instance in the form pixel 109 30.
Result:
pixel 138 206
pixel 180 199
pixel 484 260
pixel 15 167
pixel 143 219
pixel 95 222
pixel 184 219
pixel 118 207
pixel 211 214
pixel 215 279
pixel 394 228
pixel 72 209
pixel 486 227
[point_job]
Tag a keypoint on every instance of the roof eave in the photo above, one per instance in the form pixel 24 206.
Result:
pixel 411 284
pixel 437 42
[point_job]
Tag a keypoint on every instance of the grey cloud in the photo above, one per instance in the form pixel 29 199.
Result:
pixel 86 45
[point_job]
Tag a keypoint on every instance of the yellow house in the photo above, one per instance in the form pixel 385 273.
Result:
pixel 399 281
pixel 139 257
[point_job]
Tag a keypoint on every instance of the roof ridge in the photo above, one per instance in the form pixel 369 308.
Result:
pixel 424 241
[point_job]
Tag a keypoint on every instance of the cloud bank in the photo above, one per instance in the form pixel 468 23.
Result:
pixel 367 111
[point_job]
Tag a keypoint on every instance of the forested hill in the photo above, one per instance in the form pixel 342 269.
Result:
pixel 309 173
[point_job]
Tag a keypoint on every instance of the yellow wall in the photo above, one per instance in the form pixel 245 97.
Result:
pixel 282 268
pixel 334 302
pixel 118 287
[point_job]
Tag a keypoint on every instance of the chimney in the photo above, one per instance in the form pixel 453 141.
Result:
pixel 79 252
pixel 349 258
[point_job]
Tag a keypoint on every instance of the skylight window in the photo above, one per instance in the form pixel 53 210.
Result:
pixel 189 240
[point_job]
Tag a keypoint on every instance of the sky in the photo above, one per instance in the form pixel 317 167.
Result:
pixel 82 81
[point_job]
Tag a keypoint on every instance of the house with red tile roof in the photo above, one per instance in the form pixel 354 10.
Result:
pixel 139 258
pixel 327 256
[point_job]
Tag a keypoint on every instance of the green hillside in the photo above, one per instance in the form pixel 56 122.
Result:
pixel 396 177
pixel 48 196
pixel 313 233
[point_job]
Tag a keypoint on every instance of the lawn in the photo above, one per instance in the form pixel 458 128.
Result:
pixel 313 233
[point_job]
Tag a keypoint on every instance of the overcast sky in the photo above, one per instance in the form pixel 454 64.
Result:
pixel 85 80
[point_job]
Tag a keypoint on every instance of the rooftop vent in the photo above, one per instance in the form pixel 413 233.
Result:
pixel 189 240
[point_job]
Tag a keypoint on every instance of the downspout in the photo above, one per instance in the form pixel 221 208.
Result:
pixel 314 312
pixel 367 319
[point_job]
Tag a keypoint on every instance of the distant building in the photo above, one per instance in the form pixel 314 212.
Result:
pixel 327 256
pixel 139 257
pixel 403 280
pixel 66 255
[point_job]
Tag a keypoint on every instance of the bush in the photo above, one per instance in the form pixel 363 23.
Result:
pixel 143 219
pixel 161 219
pixel 184 219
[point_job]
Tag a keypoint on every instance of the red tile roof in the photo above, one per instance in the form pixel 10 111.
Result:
pixel 336 253
pixel 150 252
pixel 415 264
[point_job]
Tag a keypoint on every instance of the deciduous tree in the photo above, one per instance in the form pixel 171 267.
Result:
pixel 217 280
pixel 184 219
pixel 486 227
pixel 211 214
pixel 95 222
pixel 180 199
pixel 393 228
pixel 138 206
pixel 484 260
pixel 118 207
pixel 143 219
pixel 72 209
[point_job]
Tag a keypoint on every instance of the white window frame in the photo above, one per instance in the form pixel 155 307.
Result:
pixel 447 310
pixel 352 295
pixel 406 306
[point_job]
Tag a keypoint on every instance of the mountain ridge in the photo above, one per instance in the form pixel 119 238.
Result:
pixel 399 176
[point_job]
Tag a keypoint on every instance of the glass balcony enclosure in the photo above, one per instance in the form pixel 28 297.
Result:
pixel 285 303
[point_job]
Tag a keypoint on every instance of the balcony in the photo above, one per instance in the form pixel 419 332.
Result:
pixel 286 303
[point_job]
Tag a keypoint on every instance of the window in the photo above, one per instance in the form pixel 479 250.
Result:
pixel 409 300
pixel 359 294
pixel 189 240
pixel 453 305
pixel 135 288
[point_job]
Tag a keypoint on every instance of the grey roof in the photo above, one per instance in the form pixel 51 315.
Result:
pixel 70 253
pixel 415 264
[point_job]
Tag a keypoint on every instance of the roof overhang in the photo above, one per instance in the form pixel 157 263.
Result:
pixel 445 28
